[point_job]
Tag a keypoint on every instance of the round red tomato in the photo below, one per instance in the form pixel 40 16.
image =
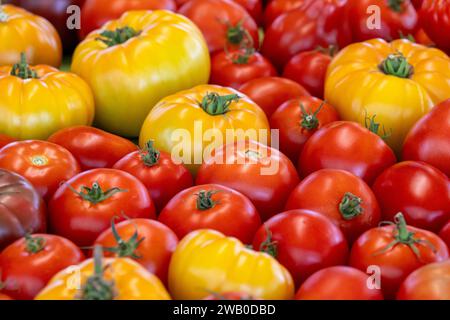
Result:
pixel 397 250
pixel 445 234
pixel 338 283
pixel 92 147
pixel 46 165
pixel 341 196
pixel 347 146
pixel 84 206
pixel 263 174
pixel 435 18
pixel 229 296
pixel 5 139
pixel 297 120
pixel 270 92
pixel 28 264
pixel 212 207
pixel 275 8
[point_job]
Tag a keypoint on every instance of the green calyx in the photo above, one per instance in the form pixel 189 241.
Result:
pixel 350 206
pixel 242 56
pixel 118 36
pixel 397 65
pixel 215 104
pixel 269 246
pixel 95 194
pixel 205 201
pixel 22 69
pixel 396 5
pixel 309 120
pixel 125 248
pixel 330 51
pixel 236 34
pixel 150 155
pixel 34 244
pixel 374 127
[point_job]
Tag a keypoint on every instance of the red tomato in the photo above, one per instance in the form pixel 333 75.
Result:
pixel 397 250
pixel 270 92
pixel 275 8
pixel 233 69
pixel 338 283
pixel 303 241
pixel 83 207
pixel 162 177
pixel 347 146
pixel 4 140
pixel 445 234
pixel 229 296
pixel 417 3
pixel 28 264
pixel 435 18
pixel 418 190
pixel 430 282
pixel 147 241
pixel 344 198
pixel 46 165
pixel 297 120
pixel 212 207
pixel 95 13
pixel 263 174
pixel 92 147
pixel 429 139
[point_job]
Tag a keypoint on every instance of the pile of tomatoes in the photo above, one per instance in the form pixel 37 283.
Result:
pixel 117 182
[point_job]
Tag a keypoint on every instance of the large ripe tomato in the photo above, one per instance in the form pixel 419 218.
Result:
pixel 162 177
pixel 29 263
pixel 92 147
pixel 339 195
pixel 43 163
pixel 435 17
pixel 84 206
pixel 397 250
pixel 338 283
pixel 303 241
pixel 445 234
pixel 266 176
pixel 275 8
pixel 418 190
pixel 347 146
pixel 297 120
pixel 429 139
pixel 212 207
pixel 5 139
pixel 146 241
pixel 270 92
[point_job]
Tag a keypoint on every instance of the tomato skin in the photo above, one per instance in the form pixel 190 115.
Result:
pixel 25 273
pixel 81 220
pixel 270 92
pixel 92 147
pixel 254 8
pixel 294 129
pixel 445 234
pixel 275 8
pixel 232 214
pixel 338 283
pixel 347 146
pixel 434 17
pixel 5 139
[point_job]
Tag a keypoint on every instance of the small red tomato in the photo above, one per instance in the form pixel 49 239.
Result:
pixel 397 251
pixel 445 234
pixel 28 264
pixel 84 206
pixel 303 241
pixel 297 120
pixel 229 296
pixel 275 8
pixel 418 190
pixel 338 283
pixel 5 139
pixel 270 92
pixel 46 165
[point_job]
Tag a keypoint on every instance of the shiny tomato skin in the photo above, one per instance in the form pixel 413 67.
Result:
pixel 5 139
pixel 445 234
pixel 434 18
pixel 81 220
pixel 46 165
pixel 275 8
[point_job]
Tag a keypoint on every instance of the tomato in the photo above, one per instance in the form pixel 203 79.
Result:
pixel 364 80
pixel 105 279
pixel 417 3
pixel 445 234
pixel 162 177
pixel 29 263
pixel 223 23
pixel 83 207
pixel 150 54
pixel 266 176
pixel 23 32
pixel 201 264
pixel 430 282
pixel 46 165
pixel 397 250
pixel 212 207
pixel 338 283
pixel 5 139
pixel 254 8
pixel 429 139
pixel 347 146
pixel 435 17
pixel 418 190
pixel 233 69
pixel 146 241
pixel 270 92
pixel 275 8
pixel 21 208
pixel 297 120
pixel 293 238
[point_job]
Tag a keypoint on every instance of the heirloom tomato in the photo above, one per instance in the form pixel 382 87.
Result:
pixel 435 20
pixel 276 8
pixel 206 261
pixel 5 139
pixel 445 234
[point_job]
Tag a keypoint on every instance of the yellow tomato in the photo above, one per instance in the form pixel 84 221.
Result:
pixel 133 62
pixel 22 31
pixel 206 261
pixel 191 123
pixel 396 82
pixel 37 101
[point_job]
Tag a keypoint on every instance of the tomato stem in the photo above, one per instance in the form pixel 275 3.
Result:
pixel 330 51
pixel 22 69
pixel 374 127
pixel 150 155
pixel 309 120
pixel 205 201
pixel 215 104
pixel 397 65
pixel 96 194
pixel 125 248
pixel 34 244
pixel 238 35
pixel 269 246
pixel 396 5
pixel 350 206
pixel 117 36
